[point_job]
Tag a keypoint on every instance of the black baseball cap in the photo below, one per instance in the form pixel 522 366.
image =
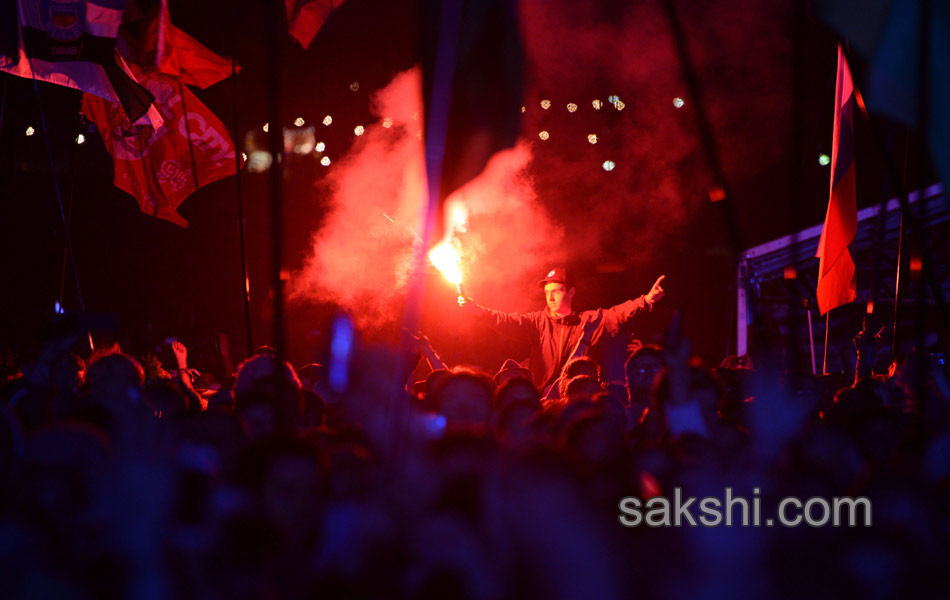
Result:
pixel 556 275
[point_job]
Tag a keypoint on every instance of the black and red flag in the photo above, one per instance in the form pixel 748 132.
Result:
pixel 72 43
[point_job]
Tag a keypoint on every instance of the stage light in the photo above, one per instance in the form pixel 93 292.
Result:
pixel 678 102
pixel 325 161
pixel 30 131
pixel 824 160
pixel 355 86
pixel 327 120
pixel 358 130
pixel 57 308
pixel 613 98
pixel 545 104
pixel 80 139
pixel 619 105
pixel 299 121
pixel 244 156
pixel 387 122
pixel 597 104
pixel 260 161
pixel 592 138
pixel 320 147
pixel 266 127
pixel 609 165
pixel 544 135
pixel 523 108
pixel 571 107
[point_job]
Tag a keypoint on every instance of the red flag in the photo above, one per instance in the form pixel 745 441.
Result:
pixel 176 53
pixel 72 43
pixel 306 17
pixel 162 167
pixel 836 277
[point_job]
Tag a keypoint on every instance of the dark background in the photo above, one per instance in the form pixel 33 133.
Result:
pixel 766 76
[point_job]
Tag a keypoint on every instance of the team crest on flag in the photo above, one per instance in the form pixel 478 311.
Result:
pixel 64 20
pixel 172 173
pixel 163 166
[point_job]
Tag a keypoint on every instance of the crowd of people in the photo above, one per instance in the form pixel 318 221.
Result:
pixel 125 477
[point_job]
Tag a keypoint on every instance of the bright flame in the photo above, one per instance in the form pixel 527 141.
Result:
pixel 446 255
pixel 446 258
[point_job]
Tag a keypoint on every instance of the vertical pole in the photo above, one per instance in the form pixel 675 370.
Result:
pixel 811 340
pixel 824 359
pixel 239 189
pixel 276 172
pixel 742 314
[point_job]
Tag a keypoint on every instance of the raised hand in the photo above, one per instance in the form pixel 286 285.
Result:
pixel 656 292
pixel 181 354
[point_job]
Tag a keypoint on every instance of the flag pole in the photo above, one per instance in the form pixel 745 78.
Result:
pixel 69 221
pixel 3 104
pixel 811 337
pixel 276 171
pixel 824 358
pixel 907 214
pixel 707 140
pixel 59 195
pixel 239 188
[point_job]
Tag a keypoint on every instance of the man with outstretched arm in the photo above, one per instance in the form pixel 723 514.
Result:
pixel 557 333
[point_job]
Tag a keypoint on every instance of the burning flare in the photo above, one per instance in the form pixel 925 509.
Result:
pixel 448 260
pixel 446 256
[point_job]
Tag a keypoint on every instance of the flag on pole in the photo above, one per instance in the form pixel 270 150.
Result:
pixel 161 167
pixel 900 78
pixel 836 274
pixel 72 43
pixel 306 17
pixel 176 53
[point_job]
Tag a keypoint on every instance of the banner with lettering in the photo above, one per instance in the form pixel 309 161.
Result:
pixel 161 167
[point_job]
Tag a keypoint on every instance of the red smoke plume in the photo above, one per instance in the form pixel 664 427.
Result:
pixel 362 254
